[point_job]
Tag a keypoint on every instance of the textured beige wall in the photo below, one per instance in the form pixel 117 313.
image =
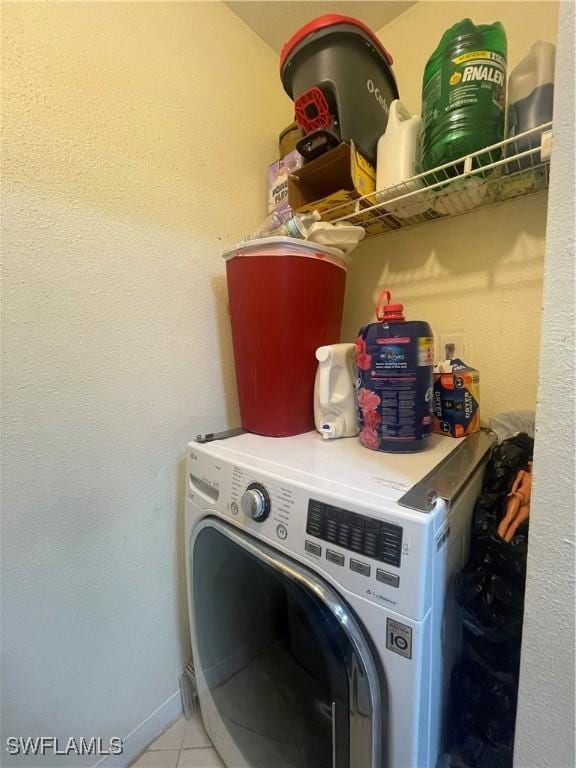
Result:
pixel 481 273
pixel 135 141
pixel 545 733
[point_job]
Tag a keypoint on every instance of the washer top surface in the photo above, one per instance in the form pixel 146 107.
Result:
pixel 342 466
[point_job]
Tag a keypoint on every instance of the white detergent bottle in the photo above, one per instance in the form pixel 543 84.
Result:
pixel 398 161
pixel 531 97
pixel 334 391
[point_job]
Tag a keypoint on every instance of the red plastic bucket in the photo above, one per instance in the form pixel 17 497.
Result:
pixel 286 298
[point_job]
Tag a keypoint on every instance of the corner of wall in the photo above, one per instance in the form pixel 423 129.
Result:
pixel 546 700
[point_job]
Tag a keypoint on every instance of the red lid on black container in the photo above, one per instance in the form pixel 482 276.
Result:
pixel 329 20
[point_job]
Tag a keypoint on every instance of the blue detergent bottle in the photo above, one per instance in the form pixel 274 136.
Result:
pixel 395 359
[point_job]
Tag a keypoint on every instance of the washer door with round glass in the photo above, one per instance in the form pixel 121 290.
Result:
pixel 280 659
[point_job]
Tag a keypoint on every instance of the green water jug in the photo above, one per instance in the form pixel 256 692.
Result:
pixel 464 93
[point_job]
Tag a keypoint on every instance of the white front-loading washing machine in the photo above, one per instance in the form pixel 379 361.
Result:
pixel 319 584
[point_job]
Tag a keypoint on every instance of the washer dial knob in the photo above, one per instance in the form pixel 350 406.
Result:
pixel 256 502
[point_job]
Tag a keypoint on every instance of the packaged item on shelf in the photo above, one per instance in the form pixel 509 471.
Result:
pixel 398 162
pixel 289 138
pixel 286 298
pixel 339 176
pixel 456 399
pixel 334 391
pixel 531 97
pixel 280 224
pixel 395 359
pixel 464 93
pixel 277 180
pixel 340 77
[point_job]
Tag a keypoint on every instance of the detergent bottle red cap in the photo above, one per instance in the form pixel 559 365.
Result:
pixel 387 312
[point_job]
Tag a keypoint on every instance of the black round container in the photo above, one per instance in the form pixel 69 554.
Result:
pixel 344 59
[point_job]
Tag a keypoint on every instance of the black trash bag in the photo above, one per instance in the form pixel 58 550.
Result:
pixel 489 594
pixel 490 590
pixel 501 659
pixel 506 459
pixel 482 717
pixel 488 512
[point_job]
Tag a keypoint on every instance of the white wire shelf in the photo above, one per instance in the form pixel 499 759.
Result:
pixel 508 170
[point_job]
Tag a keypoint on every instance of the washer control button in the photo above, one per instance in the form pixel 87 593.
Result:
pixel 392 579
pixel 312 548
pixel 359 567
pixel 334 557
pixel 256 502
pixel 281 532
pixel 234 508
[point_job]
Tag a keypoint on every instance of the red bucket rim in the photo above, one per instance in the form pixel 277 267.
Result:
pixel 328 20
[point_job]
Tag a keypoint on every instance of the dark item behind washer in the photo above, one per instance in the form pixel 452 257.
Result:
pixel 340 78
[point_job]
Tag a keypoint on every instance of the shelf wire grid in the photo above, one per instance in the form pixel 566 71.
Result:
pixel 515 167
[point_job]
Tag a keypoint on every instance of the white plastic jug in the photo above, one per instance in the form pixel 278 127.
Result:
pixel 531 93
pixel 334 391
pixel 397 161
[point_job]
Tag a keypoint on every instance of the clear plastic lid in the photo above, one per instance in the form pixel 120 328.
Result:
pixel 288 246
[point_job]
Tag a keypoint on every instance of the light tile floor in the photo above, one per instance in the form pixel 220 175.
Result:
pixel 184 745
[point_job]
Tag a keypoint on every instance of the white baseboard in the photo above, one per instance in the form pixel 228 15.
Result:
pixel 144 733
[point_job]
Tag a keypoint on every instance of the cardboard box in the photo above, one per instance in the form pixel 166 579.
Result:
pixel 277 180
pixel 337 177
pixel 457 401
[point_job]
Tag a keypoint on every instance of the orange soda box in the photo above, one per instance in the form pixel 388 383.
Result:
pixel 456 399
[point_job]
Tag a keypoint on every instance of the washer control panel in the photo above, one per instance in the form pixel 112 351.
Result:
pixel 367 536
pixel 262 501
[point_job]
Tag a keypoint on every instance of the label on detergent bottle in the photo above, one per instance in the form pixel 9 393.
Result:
pixel 475 78
pixel 395 386
pixel 464 92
